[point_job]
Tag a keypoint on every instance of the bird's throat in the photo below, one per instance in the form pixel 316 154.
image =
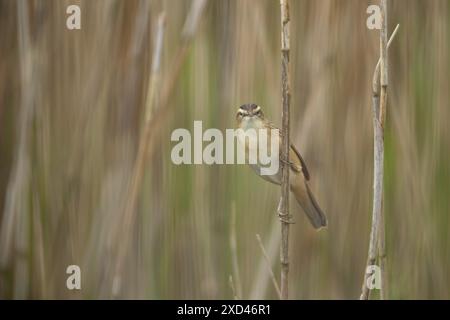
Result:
pixel 252 123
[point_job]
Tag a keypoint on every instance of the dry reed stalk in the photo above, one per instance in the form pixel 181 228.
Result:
pixel 38 238
pixel 283 209
pixel 384 76
pixel 156 66
pixel 379 102
pixel 15 239
pixel 152 127
pixel 138 169
pixel 160 115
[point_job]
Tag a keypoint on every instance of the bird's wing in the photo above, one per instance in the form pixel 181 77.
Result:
pixel 296 161
pixel 299 158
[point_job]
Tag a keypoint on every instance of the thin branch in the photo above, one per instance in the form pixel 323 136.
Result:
pixel 393 34
pixel 262 278
pixel 377 242
pixel 266 257
pixel 284 200
pixel 376 73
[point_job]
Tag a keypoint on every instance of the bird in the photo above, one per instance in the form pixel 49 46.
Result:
pixel 251 116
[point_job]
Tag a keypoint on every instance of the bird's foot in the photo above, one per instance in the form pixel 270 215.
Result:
pixel 285 161
pixel 289 163
pixel 286 218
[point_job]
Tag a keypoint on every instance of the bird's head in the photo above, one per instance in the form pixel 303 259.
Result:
pixel 249 111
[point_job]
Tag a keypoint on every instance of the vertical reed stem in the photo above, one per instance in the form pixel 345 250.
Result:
pixel 383 104
pixel 284 201
pixel 379 101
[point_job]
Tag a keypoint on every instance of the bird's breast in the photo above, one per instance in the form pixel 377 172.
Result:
pixel 248 136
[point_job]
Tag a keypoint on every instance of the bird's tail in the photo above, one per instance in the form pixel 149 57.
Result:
pixel 306 199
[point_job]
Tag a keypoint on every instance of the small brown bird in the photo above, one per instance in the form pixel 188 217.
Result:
pixel 250 116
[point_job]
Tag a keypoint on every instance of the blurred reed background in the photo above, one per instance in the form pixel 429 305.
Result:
pixel 72 105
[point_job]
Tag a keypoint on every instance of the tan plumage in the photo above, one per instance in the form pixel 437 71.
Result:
pixel 251 116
